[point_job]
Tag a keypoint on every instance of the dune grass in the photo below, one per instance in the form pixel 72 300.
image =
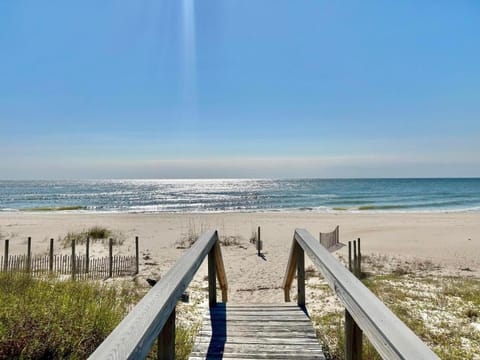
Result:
pixel 57 319
pixel 94 233
pixel 442 311
pixel 53 319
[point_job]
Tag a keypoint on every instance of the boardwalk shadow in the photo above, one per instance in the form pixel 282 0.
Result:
pixel 218 319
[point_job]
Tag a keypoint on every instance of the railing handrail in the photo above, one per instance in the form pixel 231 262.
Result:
pixel 387 333
pixel 136 333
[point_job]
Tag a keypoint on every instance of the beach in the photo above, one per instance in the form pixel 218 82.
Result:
pixel 446 243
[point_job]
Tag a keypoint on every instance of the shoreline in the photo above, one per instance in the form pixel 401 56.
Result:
pixel 82 211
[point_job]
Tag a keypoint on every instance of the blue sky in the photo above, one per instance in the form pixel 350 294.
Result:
pixel 239 88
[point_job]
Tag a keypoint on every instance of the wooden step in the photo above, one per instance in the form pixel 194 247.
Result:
pixel 256 331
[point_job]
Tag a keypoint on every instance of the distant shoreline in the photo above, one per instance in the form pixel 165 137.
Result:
pixel 79 210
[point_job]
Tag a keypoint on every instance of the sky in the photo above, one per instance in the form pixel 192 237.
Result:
pixel 239 89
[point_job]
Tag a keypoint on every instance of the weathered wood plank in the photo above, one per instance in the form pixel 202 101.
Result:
pixel 273 311
pixel 229 348
pixel 5 258
pixel 254 356
pixel 300 340
pixel 300 276
pixel 220 269
pixel 274 336
pixel 273 332
pixel 212 278
pixel 291 269
pixel 265 307
pixel 265 314
pixel 267 329
pixel 166 339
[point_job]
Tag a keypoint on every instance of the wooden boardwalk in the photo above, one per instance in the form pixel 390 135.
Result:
pixel 256 331
pixel 260 331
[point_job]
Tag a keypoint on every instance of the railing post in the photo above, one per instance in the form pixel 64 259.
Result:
pixel 220 271
pixel 353 334
pixel 212 278
pixel 300 275
pixel 50 258
pixel 353 339
pixel 166 339
pixel 5 259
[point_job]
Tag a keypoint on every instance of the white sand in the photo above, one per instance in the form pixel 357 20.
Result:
pixel 451 240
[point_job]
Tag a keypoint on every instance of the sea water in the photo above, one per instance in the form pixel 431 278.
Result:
pixel 321 195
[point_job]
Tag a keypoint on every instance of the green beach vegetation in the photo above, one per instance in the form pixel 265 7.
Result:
pixel 49 318
pixel 366 207
pixel 58 319
pixel 444 311
pixel 363 207
pixel 94 233
pixel 60 208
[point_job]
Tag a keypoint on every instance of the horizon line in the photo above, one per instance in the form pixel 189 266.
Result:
pixel 251 178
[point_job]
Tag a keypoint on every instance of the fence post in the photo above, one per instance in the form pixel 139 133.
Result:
pixel 87 255
pixel 110 258
pixel 29 254
pixel 166 339
pixel 73 260
pixel 259 243
pixel 212 278
pixel 350 256
pixel 5 259
pixel 355 267
pixel 300 275
pixel 50 263
pixel 359 260
pixel 137 267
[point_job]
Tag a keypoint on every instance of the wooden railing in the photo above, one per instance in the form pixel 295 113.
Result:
pixel 154 316
pixel 387 333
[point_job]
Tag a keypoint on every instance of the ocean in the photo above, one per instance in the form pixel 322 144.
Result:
pixel 249 195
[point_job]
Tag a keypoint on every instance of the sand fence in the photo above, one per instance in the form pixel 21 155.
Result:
pixel 78 266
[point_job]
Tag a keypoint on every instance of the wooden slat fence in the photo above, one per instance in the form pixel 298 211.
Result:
pixel 79 266
pixel 98 268
pixel 331 240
